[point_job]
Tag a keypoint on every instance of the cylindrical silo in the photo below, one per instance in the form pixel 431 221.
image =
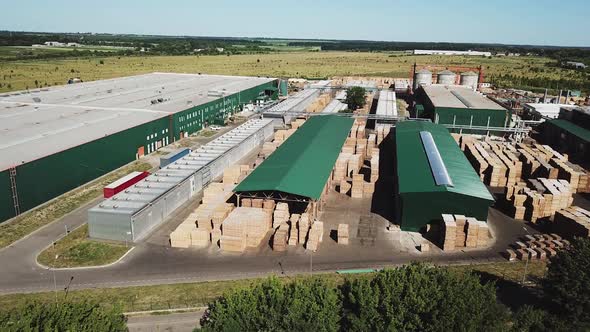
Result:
pixel 446 77
pixel 422 77
pixel 469 79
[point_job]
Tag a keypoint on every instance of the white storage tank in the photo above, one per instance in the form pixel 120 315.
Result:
pixel 469 79
pixel 446 77
pixel 422 77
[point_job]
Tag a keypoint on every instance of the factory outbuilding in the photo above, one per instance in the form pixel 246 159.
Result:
pixel 59 138
pixel 300 168
pixel 570 133
pixel 459 105
pixel 433 177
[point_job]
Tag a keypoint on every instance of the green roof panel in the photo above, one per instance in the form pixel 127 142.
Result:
pixel 413 168
pixel 303 163
pixel 574 129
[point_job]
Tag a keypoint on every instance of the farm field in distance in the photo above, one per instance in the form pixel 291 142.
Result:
pixel 20 75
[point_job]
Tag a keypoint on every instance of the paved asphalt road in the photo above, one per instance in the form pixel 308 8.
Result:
pixel 180 322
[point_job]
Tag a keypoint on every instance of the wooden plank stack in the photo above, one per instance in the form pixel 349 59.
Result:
pixel 358 183
pixel 535 247
pixel 244 227
pixel 279 242
pixel 382 132
pixel 316 235
pixel 294 232
pixel 295 124
pixel 268 148
pixel 304 226
pixel 374 168
pixel 235 174
pixel 371 145
pixel 573 221
pixel 281 215
pixel 343 234
pixel 341 167
pixel 459 231
pixel 355 163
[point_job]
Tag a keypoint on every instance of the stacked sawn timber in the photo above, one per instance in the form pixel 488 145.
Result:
pixel 459 231
pixel 573 221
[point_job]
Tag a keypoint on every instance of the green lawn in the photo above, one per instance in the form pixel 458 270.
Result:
pixel 177 296
pixel 34 219
pixel 76 250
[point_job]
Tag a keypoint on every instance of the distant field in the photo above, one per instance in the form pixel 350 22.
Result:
pixel 18 75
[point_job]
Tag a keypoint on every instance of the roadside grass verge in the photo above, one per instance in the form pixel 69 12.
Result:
pixel 179 296
pixel 77 250
pixel 32 220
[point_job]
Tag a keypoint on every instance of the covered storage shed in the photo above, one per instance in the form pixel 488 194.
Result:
pixel 300 168
pixel 433 177
pixel 460 105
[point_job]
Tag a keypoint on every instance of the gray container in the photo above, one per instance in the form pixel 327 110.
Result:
pixel 446 77
pixel 422 77
pixel 469 79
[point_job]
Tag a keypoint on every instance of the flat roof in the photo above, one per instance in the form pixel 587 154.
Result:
pixel 41 122
pixel 580 132
pixel 457 96
pixel 387 104
pixel 135 198
pixel 414 172
pixel 303 163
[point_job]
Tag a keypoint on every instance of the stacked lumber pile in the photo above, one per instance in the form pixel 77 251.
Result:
pixel 361 147
pixel 361 129
pixel 539 246
pixel 349 146
pixel 244 227
pixel 199 227
pixel 358 186
pixel 343 234
pixel 235 174
pixel 538 198
pixel 268 148
pixel 319 104
pixel 279 242
pixel 341 167
pixel 280 136
pixel 294 231
pixel 459 231
pixel 281 215
pixel 573 221
pixel 355 163
pixel 374 168
pixel 372 145
pixel 304 226
pixel 295 124
pixel 315 237
pixel 382 132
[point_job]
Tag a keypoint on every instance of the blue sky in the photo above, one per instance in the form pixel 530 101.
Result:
pixel 537 22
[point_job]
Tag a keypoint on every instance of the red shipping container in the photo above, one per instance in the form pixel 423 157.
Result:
pixel 124 183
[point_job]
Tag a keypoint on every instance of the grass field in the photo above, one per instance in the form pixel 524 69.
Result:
pixel 18 75
pixel 178 296
pixel 76 250
pixel 34 219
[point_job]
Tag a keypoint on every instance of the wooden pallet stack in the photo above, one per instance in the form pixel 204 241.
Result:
pixel 294 229
pixel 538 198
pixel 315 237
pixel 220 213
pixel 304 226
pixel 341 167
pixel 358 186
pixel 459 231
pixel 343 234
pixel 573 221
pixel 180 237
pixel 374 168
pixel 355 163
pixel 537 247
pixel 244 227
pixel 279 242
pixel 371 145
pixel 281 215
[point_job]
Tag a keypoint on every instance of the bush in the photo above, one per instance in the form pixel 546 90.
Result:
pixel 83 316
pixel 421 298
pixel 274 306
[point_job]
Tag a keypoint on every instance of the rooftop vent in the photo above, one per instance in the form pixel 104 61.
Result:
pixel 437 166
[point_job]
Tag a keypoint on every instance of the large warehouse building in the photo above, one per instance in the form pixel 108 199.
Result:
pixel 459 105
pixel 434 177
pixel 56 139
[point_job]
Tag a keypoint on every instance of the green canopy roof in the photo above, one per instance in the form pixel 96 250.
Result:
pixel 413 168
pixel 303 163
pixel 580 132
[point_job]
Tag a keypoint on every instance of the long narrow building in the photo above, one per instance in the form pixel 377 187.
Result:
pixel 55 139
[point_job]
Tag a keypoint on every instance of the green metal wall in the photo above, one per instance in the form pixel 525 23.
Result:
pixel 412 214
pixel 215 112
pixel 46 178
pixel 463 116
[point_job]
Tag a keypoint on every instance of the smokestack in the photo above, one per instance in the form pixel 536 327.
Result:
pixel 545 97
